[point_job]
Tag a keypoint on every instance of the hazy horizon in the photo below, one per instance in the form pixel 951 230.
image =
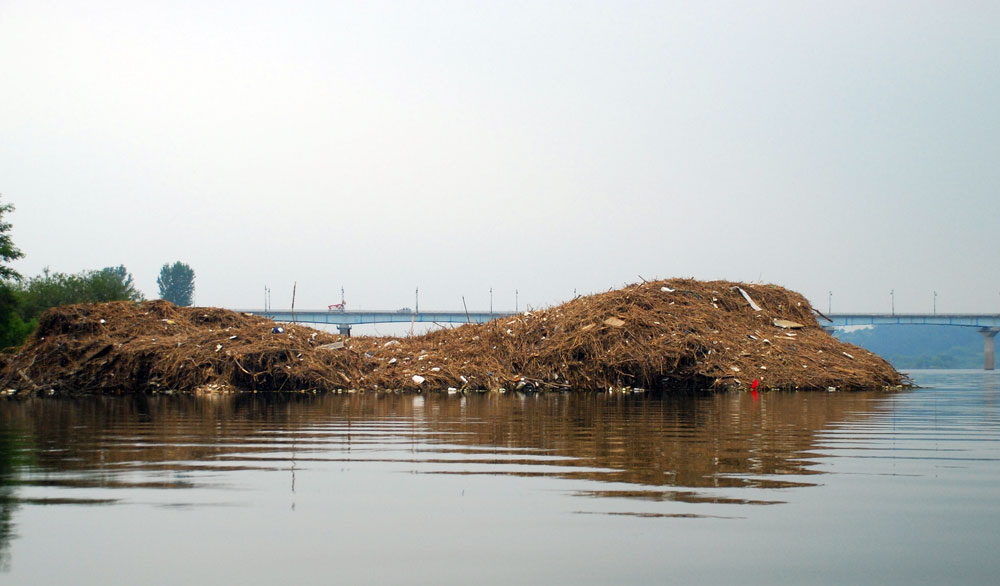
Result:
pixel 540 147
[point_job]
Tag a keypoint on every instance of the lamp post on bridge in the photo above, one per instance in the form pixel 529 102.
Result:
pixel 892 300
pixel 829 303
pixel 935 303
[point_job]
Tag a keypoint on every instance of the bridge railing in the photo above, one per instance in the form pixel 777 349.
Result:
pixel 358 317
pixel 972 320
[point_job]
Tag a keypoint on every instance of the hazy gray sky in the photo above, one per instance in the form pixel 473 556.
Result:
pixel 541 146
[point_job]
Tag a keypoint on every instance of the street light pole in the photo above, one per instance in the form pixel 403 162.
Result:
pixel 935 303
pixel 829 303
pixel 491 301
pixel 892 300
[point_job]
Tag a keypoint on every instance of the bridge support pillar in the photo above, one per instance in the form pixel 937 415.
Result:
pixel 344 329
pixel 989 335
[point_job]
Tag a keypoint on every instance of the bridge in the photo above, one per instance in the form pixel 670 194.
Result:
pixel 987 324
pixel 344 319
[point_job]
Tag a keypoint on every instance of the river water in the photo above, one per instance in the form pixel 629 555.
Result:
pixel 819 488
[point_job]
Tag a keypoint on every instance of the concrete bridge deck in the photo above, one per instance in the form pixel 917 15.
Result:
pixel 347 318
pixel 987 324
pixel 972 320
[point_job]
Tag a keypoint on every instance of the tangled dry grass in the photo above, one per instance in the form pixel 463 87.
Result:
pixel 664 335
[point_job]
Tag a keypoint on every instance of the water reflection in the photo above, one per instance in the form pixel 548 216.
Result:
pixel 592 489
pixel 99 450
pixel 8 466
pixel 182 451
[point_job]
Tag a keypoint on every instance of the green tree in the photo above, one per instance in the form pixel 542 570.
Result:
pixel 54 289
pixel 176 283
pixel 111 284
pixel 13 329
pixel 8 251
pixel 49 289
pixel 22 302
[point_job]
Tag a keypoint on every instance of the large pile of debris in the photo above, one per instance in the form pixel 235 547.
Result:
pixel 672 334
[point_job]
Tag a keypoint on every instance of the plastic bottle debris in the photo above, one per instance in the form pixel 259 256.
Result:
pixel 277 330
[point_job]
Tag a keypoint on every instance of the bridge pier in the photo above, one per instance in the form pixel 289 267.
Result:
pixel 344 329
pixel 989 334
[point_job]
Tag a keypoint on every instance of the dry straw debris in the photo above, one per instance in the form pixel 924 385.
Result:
pixel 678 334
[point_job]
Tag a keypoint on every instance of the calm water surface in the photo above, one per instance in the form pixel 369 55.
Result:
pixel 824 488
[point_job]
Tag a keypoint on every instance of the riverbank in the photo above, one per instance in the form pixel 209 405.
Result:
pixel 677 334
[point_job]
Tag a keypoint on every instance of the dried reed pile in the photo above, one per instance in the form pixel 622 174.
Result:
pixel 673 334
